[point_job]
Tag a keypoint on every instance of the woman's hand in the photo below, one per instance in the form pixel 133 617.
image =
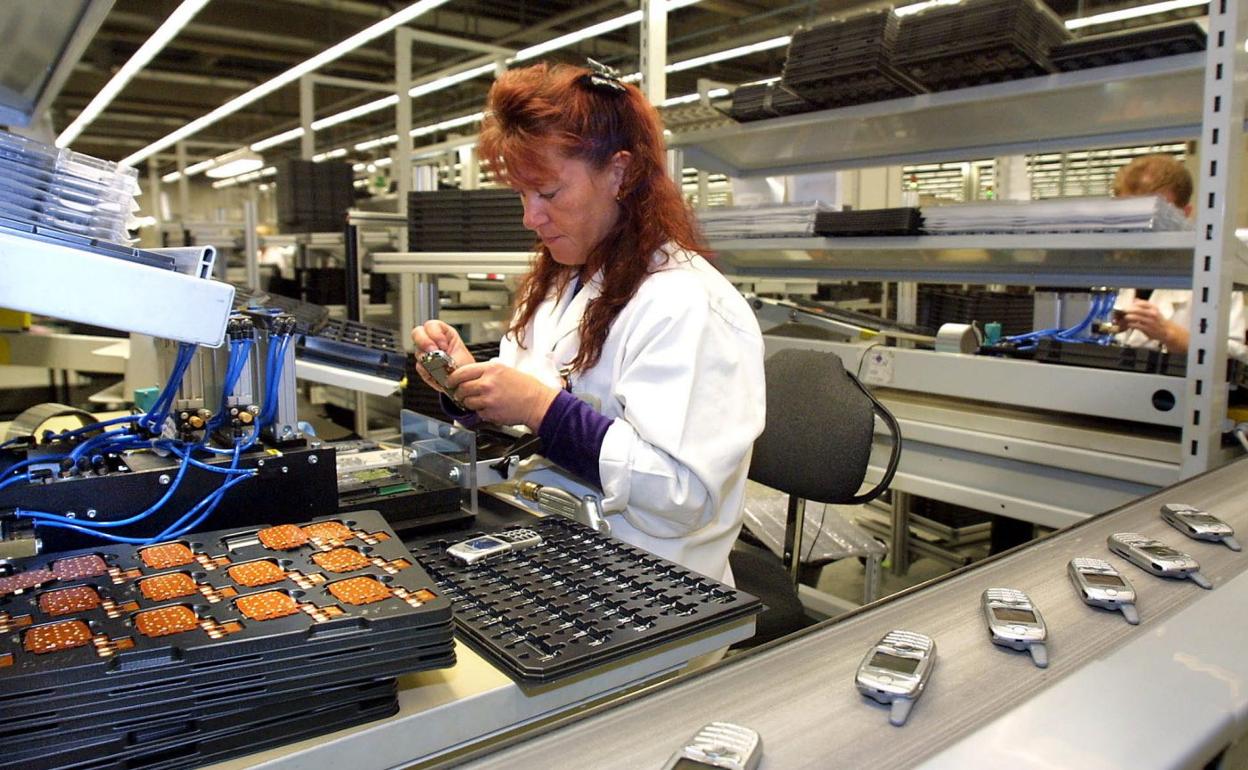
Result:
pixel 503 395
pixel 436 335
pixel 1147 317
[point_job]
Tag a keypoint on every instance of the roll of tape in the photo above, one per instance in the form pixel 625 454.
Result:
pixel 958 338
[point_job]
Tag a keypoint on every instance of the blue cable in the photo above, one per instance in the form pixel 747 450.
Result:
pixel 10 482
pixel 212 500
pixel 34 461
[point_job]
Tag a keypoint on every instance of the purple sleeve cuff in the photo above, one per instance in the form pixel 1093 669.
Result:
pixel 465 417
pixel 572 433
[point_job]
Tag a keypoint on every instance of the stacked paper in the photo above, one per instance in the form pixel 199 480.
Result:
pixel 1059 215
pixel 768 220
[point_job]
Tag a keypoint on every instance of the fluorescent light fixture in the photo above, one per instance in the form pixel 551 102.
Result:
pixel 354 112
pixel 1132 13
pixel 913 8
pixel 330 155
pixel 273 141
pixel 152 46
pixel 239 161
pixel 372 143
pixel 203 165
pixel 593 30
pixel 731 53
pixel 714 93
pixel 289 76
pixel 462 120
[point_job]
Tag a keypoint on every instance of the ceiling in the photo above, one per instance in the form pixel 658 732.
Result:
pixel 233 45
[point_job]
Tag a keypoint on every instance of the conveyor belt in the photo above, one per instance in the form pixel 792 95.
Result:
pixel 800 694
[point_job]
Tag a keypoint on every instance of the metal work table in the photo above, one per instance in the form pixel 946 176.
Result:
pixel 1172 688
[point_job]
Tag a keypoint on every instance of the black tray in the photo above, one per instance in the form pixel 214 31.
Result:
pixel 578 600
pixel 898 221
pixel 143 659
pixel 1133 45
pixel 352 345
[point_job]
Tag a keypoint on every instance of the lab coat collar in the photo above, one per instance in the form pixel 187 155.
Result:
pixel 565 317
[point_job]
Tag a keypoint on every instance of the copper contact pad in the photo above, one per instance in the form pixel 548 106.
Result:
pixel 256 573
pixel 328 530
pixel 24 581
pixel 282 538
pixel 55 637
pixel 166 555
pixel 67 601
pixel 165 621
pixel 78 567
pixel 267 605
pixel 173 585
pixel 359 590
pixel 341 560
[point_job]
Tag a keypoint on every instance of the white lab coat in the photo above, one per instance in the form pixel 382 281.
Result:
pixel 681 376
pixel 1176 305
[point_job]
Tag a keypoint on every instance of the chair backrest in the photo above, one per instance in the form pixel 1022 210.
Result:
pixel 820 426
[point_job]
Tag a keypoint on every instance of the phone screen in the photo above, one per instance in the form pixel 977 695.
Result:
pixel 1164 551
pixel 1097 579
pixel 1011 615
pixel 894 663
pixel 1201 518
pixel 482 544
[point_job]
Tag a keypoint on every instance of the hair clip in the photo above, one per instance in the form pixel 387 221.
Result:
pixel 602 76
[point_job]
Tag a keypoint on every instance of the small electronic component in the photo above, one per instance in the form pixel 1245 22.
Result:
pixel 166 621
pixel 341 560
pixel 284 537
pixel 80 567
pixel 257 573
pixel 896 670
pixel 67 601
pixel 24 581
pixel 267 606
pixel 55 637
pixel 1014 622
pixel 1100 585
pixel 167 555
pixel 173 585
pixel 475 549
pixel 439 365
pixel 1156 557
pixel 1200 525
pixel 328 531
pixel 360 590
pixel 719 746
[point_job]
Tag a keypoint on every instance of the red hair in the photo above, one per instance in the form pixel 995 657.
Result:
pixel 533 109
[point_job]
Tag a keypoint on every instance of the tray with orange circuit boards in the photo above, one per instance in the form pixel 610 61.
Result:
pixel 214 617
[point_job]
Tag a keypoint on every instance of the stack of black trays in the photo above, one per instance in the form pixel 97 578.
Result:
pixel 907 221
pixel 576 601
pixel 467 220
pixel 1133 45
pixel 184 653
pixel 937 306
pixel 314 197
pixel 759 101
pixel 847 61
pixel 359 347
pixel 979 41
pixel 1122 358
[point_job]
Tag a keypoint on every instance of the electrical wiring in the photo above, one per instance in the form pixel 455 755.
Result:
pixel 1102 304
pixel 14 480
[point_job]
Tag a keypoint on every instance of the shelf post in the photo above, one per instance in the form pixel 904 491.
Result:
pixel 1217 185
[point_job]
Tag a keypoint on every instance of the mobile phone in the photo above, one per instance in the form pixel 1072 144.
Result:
pixel 719 745
pixel 1199 525
pixel 439 365
pixel 1156 557
pixel 481 547
pixel 1100 585
pixel 1014 622
pixel 896 670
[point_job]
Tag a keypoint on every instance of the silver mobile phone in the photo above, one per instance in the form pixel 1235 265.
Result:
pixel 439 365
pixel 1199 525
pixel 1014 622
pixel 1100 585
pixel 896 670
pixel 481 547
pixel 719 745
pixel 1156 557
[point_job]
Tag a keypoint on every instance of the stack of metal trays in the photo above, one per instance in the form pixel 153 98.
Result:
pixel 899 221
pixel 847 61
pixel 356 346
pixel 1132 45
pixel 181 653
pixel 42 186
pixel 979 41
pixel 759 101
pixel 314 197
pixel 467 220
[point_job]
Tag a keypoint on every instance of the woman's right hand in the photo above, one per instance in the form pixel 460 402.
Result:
pixel 437 335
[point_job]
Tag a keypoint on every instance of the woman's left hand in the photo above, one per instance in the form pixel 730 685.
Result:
pixel 502 394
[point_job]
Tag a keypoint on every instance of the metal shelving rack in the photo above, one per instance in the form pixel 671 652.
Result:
pixel 1160 100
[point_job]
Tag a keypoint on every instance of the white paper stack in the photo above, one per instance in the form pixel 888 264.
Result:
pixel 767 220
pixel 1147 213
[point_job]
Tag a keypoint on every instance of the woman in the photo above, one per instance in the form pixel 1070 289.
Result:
pixel 637 363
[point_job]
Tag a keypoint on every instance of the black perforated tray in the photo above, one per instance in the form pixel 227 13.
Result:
pixel 352 345
pixel 578 600
pixel 899 221
pixel 119 654
pixel 1132 45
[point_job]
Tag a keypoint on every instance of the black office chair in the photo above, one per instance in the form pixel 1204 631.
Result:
pixel 816 443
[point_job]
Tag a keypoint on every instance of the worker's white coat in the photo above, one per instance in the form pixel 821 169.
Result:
pixel 1176 305
pixel 681 376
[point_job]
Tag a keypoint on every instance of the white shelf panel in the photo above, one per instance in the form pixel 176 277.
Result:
pixel 1140 102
